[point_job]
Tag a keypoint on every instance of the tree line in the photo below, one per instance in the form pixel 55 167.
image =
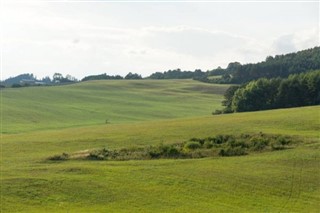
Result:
pixel 170 74
pixel 297 90
pixel 111 77
pixel 27 79
pixel 278 66
pixel 178 74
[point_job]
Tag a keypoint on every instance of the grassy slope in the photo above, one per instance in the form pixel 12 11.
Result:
pixel 284 181
pixel 94 102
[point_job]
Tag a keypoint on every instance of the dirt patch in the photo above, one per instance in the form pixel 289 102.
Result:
pixel 80 154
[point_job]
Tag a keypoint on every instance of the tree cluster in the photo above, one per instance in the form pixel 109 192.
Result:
pixel 132 76
pixel 102 77
pixel 278 66
pixel 178 74
pixel 297 90
pixel 59 78
pixel 25 80
pixel 17 79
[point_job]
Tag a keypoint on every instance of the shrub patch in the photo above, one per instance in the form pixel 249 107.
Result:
pixel 220 145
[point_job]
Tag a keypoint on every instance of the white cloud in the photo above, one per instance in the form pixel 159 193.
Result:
pixel 285 44
pixel 84 39
pixel 307 38
pixel 196 42
pixel 304 39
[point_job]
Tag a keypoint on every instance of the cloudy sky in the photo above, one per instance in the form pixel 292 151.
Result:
pixel 83 38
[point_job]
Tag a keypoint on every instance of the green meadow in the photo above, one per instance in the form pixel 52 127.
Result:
pixel 38 122
pixel 95 102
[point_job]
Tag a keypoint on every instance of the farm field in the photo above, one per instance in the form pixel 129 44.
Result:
pixel 72 118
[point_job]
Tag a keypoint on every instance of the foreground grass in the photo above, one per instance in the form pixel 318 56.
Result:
pixel 100 102
pixel 284 181
pixel 280 181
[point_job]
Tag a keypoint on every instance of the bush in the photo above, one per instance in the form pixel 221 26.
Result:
pixel 280 143
pixel 259 144
pixel 208 144
pixel 237 151
pixel 164 151
pixel 283 141
pixel 238 143
pixel 96 156
pixel 219 139
pixel 192 145
pixel 154 153
pixel 172 152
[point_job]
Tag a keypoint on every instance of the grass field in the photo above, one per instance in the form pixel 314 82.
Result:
pixel 94 102
pixel 279 181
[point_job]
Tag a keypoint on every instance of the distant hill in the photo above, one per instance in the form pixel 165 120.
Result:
pixel 18 79
pixel 30 80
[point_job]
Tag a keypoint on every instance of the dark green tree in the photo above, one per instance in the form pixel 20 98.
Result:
pixel 133 76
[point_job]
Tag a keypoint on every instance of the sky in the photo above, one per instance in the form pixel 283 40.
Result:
pixel 82 38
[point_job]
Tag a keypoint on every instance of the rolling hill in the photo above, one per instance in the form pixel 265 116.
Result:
pixel 98 102
pixel 279 181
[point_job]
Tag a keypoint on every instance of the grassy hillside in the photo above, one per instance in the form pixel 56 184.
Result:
pixel 282 181
pixel 94 102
